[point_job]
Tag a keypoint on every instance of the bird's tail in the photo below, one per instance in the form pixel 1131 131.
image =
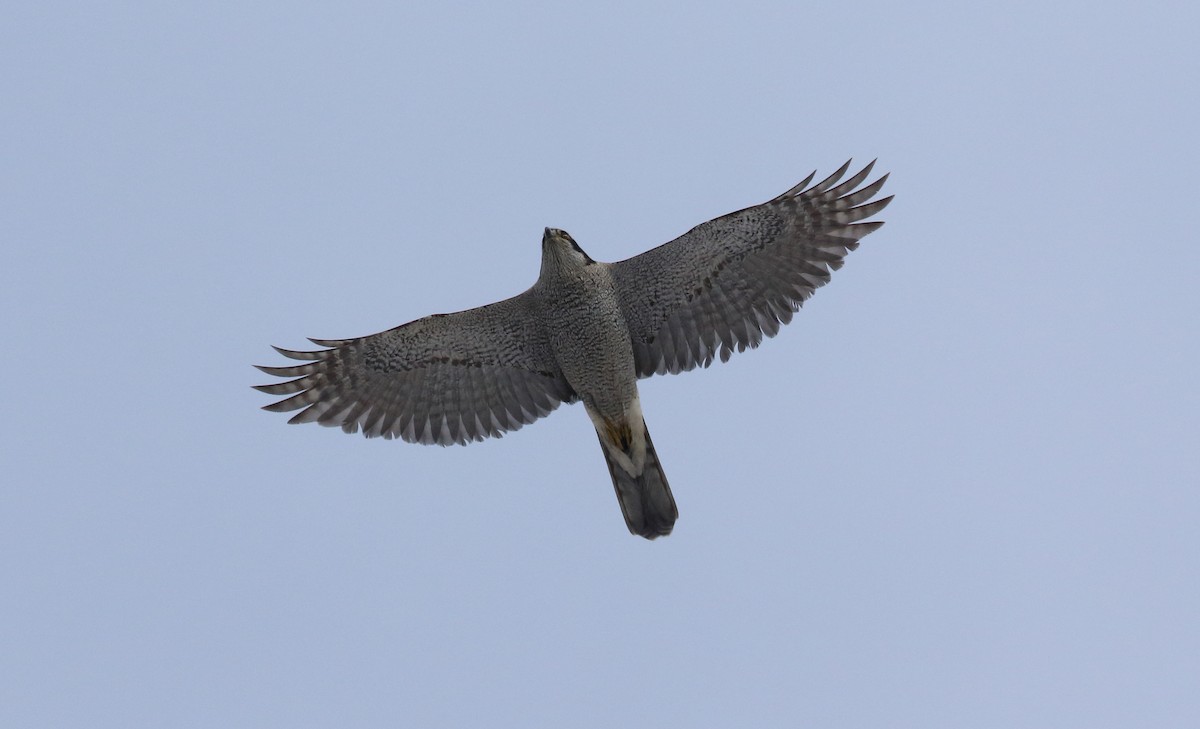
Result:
pixel 645 496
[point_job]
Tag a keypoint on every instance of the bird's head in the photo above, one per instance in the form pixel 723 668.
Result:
pixel 561 250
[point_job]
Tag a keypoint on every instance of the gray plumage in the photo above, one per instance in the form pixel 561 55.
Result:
pixel 587 331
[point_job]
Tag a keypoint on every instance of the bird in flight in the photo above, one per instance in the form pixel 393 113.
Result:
pixel 587 331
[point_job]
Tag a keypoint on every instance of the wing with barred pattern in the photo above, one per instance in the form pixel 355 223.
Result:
pixel 447 378
pixel 728 283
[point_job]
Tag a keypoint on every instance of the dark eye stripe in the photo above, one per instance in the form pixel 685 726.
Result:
pixel 579 250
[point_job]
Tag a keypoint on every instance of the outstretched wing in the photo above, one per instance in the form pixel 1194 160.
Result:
pixel 447 378
pixel 728 282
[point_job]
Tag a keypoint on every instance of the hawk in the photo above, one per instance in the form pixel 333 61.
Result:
pixel 587 331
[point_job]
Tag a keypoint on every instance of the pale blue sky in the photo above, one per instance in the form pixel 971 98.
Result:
pixel 960 490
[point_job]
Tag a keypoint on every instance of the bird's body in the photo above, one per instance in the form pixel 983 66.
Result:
pixel 590 340
pixel 586 326
pixel 587 330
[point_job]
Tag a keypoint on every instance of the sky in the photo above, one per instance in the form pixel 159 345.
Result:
pixel 961 489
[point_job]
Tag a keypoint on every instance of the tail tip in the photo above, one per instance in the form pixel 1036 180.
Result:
pixel 654 528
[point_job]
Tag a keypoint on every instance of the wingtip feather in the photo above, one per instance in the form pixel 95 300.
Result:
pixel 830 181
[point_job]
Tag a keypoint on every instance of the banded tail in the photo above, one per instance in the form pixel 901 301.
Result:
pixel 644 494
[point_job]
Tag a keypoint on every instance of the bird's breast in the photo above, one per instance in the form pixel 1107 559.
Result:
pixel 591 340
